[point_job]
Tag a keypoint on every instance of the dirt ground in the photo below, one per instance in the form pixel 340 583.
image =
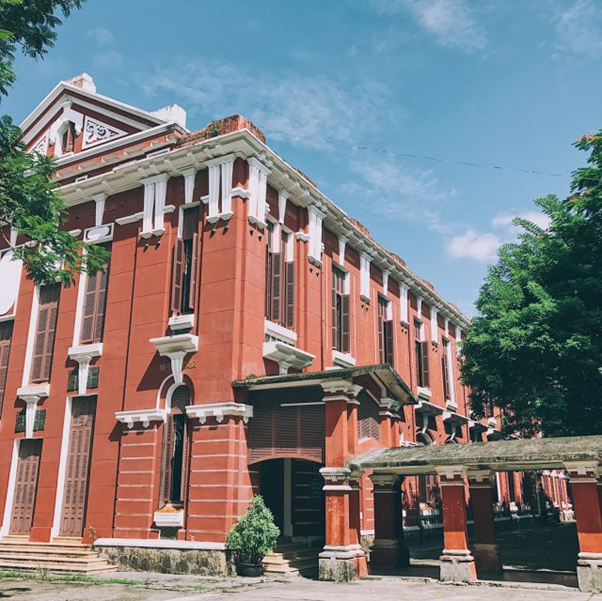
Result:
pixel 190 588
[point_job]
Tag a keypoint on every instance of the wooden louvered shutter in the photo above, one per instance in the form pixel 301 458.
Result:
pixel 26 486
pixel 445 372
pixel 193 271
pixel 95 300
pixel 276 287
pixel 289 303
pixel 345 323
pixel 424 353
pixel 177 277
pixel 168 445
pixel 389 341
pixel 268 285
pixel 6 333
pixel 101 304
pixel 45 333
pixel 335 321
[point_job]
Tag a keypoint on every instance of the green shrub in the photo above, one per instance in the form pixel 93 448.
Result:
pixel 254 535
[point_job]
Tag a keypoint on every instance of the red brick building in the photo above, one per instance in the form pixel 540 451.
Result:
pixel 247 337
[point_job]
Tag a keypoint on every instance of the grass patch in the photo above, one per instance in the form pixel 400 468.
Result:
pixel 43 575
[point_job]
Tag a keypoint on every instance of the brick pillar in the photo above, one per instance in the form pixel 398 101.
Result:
pixel 388 550
pixel 342 558
pixel 457 563
pixel 588 513
pixel 485 548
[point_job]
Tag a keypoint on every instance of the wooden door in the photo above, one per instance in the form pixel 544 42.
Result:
pixel 26 486
pixel 78 467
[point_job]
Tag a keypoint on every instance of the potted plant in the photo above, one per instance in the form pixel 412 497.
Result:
pixel 253 537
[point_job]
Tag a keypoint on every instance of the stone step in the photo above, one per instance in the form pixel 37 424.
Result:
pixel 57 569
pixel 18 544
pixel 32 557
pixel 51 552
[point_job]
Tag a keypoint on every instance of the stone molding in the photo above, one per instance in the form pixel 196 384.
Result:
pixel 219 411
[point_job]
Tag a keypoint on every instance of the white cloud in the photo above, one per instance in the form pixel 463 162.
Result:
pixel 101 36
pixel 474 245
pixel 109 58
pixel 390 189
pixel 311 108
pixel 579 28
pixel 451 22
pixel 482 246
pixel 505 220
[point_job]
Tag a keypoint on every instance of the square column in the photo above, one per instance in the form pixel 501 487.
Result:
pixel 457 563
pixel 584 483
pixel 485 548
pixel 343 558
pixel 388 549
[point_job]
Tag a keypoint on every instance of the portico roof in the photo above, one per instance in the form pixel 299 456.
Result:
pixel 383 373
pixel 501 455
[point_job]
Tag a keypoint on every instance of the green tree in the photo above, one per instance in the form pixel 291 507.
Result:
pixel 535 347
pixel 29 202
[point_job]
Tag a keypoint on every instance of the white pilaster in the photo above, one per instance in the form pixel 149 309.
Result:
pixel 282 198
pixel 315 233
pixel 434 332
pixel 99 199
pixel 189 178
pixel 365 261
pixel 227 169
pixel 342 245
pixel 404 303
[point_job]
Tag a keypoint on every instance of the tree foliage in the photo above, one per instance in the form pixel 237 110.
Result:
pixel 535 347
pixel 29 202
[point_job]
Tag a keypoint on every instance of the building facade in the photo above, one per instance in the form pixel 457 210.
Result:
pixel 247 336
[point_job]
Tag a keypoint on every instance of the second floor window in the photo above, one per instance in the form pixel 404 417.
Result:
pixel 445 370
pixel 422 356
pixel 95 302
pixel 6 334
pixel 184 277
pixel 340 312
pixel 279 280
pixel 43 349
pixel 385 332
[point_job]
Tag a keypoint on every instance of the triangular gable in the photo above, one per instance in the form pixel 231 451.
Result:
pixel 96 119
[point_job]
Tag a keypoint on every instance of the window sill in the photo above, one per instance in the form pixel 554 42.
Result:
pixel 274 331
pixel 181 322
pixel 343 359
pixel 425 393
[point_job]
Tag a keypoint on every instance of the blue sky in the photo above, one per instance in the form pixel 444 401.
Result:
pixel 506 82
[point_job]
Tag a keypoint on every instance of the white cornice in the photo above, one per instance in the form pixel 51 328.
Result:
pixel 219 411
pixel 301 192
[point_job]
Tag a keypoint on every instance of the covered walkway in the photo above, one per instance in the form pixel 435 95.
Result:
pixel 474 465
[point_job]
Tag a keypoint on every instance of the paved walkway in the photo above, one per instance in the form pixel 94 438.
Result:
pixel 144 587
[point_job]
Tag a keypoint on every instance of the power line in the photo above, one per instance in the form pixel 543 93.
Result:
pixel 411 155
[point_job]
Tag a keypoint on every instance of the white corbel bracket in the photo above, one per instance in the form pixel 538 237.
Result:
pixel 32 396
pixel 219 411
pixel 83 354
pixel 140 416
pixel 176 348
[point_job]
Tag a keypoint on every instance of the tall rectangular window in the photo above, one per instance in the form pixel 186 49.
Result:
pixel 422 356
pixel 95 302
pixel 445 370
pixel 48 310
pixel 6 335
pixel 340 312
pixel 385 332
pixel 280 278
pixel 185 264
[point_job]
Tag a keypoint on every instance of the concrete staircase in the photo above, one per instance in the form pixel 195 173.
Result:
pixel 292 559
pixel 63 556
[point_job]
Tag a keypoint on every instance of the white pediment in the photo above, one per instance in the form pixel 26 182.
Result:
pixel 96 132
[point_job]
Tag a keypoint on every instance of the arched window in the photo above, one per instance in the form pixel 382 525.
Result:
pixel 176 449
